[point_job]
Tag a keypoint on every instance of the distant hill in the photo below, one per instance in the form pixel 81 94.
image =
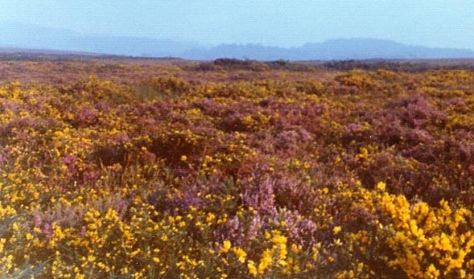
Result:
pixel 340 49
pixel 18 35
pixel 26 36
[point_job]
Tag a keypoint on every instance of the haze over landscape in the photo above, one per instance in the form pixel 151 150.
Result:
pixel 247 139
pixel 264 30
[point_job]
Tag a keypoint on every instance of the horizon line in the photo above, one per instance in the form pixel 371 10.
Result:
pixel 204 45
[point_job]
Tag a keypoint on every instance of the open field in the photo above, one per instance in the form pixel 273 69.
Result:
pixel 134 168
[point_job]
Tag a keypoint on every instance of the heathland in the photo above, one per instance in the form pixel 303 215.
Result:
pixel 122 168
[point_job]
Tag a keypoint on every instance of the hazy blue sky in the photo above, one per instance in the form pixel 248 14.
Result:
pixel 446 23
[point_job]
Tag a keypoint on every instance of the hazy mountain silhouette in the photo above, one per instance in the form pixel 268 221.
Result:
pixel 339 49
pixel 18 35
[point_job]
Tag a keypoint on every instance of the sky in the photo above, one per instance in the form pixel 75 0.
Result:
pixel 434 23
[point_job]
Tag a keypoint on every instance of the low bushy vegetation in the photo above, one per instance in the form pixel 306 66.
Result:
pixel 276 174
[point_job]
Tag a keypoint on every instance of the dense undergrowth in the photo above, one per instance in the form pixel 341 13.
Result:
pixel 363 174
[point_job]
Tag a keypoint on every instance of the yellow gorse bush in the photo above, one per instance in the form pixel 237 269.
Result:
pixel 429 241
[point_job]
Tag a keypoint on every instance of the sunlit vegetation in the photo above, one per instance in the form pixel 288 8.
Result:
pixel 156 170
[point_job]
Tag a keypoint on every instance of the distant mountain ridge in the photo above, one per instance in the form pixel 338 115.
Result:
pixel 339 49
pixel 18 35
